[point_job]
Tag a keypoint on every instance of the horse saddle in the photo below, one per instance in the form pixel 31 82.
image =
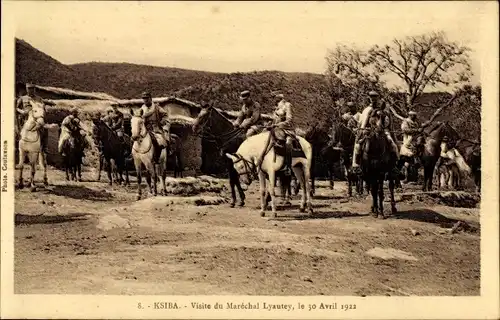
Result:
pixel 280 145
pixel 157 149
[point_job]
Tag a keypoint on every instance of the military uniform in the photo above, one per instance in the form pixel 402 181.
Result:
pixel 409 127
pixel 283 123
pixel 156 121
pixel 116 122
pixel 69 125
pixel 249 115
pixel 365 119
pixel 24 105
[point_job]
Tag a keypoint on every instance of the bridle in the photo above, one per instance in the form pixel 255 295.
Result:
pixel 141 137
pixel 250 167
pixel 34 127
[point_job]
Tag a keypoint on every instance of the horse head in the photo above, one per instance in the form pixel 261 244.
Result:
pixel 202 118
pixel 137 125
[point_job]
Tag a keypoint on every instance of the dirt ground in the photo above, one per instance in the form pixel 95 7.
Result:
pixel 90 238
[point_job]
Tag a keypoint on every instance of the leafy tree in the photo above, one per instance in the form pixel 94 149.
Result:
pixel 418 62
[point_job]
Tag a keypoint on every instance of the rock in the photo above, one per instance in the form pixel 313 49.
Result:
pixel 414 232
pixel 306 278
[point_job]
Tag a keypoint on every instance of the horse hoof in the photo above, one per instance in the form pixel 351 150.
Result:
pixel 310 210
pixel 20 186
pixel 138 198
pixel 33 189
pixel 394 210
pixel 262 214
pixel 232 205
pixel 242 204
pixel 302 209
pixel 275 215
pixel 381 216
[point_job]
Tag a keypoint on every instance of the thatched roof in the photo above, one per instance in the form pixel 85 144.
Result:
pixel 72 94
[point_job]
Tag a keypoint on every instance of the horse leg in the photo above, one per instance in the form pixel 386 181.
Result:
pixel 330 175
pixel 22 156
pixel 137 164
pixel 33 158
pixel 263 194
pixel 232 184
pixel 111 166
pixel 101 159
pixel 307 189
pixel 373 189
pixel 391 191
pixel 240 190
pixel 272 192
pixel 43 166
pixel 381 197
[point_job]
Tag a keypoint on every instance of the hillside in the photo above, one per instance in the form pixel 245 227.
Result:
pixel 124 80
pixel 308 92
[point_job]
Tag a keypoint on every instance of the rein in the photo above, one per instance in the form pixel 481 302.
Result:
pixel 250 167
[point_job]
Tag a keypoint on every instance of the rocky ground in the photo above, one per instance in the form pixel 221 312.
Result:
pixel 90 238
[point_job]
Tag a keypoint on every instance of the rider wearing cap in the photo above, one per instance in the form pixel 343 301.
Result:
pixel 351 116
pixel 24 104
pixel 156 120
pixel 249 114
pixel 282 121
pixel 107 118
pixel 69 126
pixel 375 106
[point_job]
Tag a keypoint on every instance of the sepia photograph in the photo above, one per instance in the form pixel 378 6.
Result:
pixel 250 149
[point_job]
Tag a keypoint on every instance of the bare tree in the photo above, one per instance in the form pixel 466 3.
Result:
pixel 419 62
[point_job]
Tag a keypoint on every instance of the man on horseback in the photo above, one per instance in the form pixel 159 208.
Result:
pixel 249 114
pixel 24 105
pixel 351 116
pixel 71 127
pixel 107 117
pixel 156 120
pixel 375 107
pixel 284 129
pixel 411 127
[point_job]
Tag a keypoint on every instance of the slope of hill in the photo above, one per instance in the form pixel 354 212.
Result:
pixel 308 92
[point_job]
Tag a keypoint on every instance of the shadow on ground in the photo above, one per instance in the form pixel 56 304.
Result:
pixel 431 216
pixel 320 215
pixel 80 192
pixel 44 219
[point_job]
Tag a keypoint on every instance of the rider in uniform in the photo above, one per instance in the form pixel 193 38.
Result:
pixel 249 114
pixel 411 127
pixel 69 126
pixel 375 106
pixel 156 120
pixel 116 120
pixel 107 118
pixel 351 116
pixel 24 104
pixel 283 123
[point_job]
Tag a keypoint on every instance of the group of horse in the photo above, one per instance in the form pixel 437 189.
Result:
pixel 257 157
pixel 246 158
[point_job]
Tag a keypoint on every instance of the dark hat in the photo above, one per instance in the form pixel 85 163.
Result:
pixel 245 94
pixel 146 94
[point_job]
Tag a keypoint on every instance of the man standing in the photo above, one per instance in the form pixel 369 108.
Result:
pixel 375 106
pixel 156 120
pixel 249 114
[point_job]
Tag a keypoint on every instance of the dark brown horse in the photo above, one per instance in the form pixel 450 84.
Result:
pixel 377 164
pixel 340 149
pixel 73 152
pixel 113 150
pixel 432 148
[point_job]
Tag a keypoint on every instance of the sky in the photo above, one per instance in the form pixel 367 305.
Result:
pixel 235 36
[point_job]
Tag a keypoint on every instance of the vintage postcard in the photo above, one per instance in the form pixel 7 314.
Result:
pixel 243 160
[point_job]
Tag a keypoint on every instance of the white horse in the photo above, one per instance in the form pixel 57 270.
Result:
pixel 143 152
pixel 261 146
pixel 30 144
